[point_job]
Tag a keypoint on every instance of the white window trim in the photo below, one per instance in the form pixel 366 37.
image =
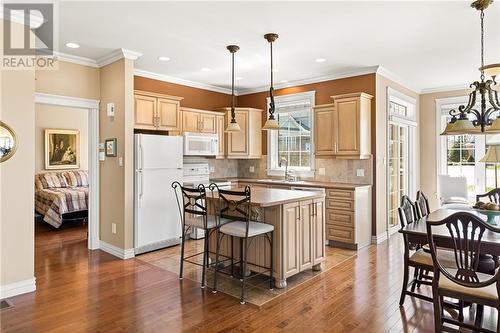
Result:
pixel 443 104
pixel 271 137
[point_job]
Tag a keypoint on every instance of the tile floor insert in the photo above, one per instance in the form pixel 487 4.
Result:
pixel 257 290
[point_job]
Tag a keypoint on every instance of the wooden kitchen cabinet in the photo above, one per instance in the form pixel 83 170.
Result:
pixel 246 144
pixel 220 134
pixel 305 235
pixel 343 128
pixel 199 121
pixel 318 224
pixel 156 111
pixel 291 239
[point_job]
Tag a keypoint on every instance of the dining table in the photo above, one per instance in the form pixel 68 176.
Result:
pixel 417 231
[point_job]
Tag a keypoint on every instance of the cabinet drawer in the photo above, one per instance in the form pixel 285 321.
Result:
pixel 340 204
pixel 340 194
pixel 340 234
pixel 343 218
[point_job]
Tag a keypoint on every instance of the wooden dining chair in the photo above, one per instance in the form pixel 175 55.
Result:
pixel 493 196
pixel 422 205
pixel 462 280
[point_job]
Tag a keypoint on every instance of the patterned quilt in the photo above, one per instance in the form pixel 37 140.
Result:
pixel 54 202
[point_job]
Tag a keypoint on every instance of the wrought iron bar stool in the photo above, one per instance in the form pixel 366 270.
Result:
pixel 236 205
pixel 193 212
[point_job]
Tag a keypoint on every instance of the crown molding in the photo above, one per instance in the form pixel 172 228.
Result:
pixel 396 78
pixel 445 88
pixel 176 80
pixel 330 77
pixel 117 55
pixel 76 59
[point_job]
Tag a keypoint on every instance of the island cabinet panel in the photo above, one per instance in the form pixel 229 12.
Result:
pixel 318 224
pixel 156 111
pixel 305 235
pixel 291 238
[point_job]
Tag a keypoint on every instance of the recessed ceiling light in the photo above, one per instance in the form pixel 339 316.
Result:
pixel 72 45
pixel 238 78
pixel 205 69
pixel 320 60
pixel 284 81
pixel 162 58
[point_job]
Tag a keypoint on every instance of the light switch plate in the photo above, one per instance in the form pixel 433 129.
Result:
pixel 321 171
pixel 252 169
pixel 102 156
pixel 120 161
pixel 110 109
pixel 101 145
pixel 113 228
pixel 360 172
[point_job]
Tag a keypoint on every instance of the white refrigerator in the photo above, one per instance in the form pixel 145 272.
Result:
pixel 158 163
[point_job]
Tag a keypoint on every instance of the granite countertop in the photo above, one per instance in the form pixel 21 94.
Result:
pixel 267 197
pixel 311 183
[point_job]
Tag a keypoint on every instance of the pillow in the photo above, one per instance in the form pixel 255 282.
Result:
pixel 50 180
pixel 455 200
pixel 77 178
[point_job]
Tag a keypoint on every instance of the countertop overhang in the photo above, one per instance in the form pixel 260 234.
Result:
pixel 300 183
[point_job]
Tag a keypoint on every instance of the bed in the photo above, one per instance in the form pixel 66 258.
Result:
pixel 61 194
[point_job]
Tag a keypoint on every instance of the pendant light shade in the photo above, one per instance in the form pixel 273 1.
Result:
pixel 492 70
pixel 233 125
pixel 495 127
pixel 271 123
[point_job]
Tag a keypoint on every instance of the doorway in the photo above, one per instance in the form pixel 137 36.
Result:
pixel 91 108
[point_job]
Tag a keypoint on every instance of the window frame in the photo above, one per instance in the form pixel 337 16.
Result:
pixel 272 138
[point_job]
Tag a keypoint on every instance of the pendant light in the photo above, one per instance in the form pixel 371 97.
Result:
pixel 233 125
pixel 483 91
pixel 271 122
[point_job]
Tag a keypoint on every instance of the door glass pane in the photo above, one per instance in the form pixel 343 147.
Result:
pixel 490 181
pixel 461 159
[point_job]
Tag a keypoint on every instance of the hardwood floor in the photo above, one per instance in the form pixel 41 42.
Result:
pixel 91 291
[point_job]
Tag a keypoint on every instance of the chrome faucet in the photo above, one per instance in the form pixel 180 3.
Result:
pixel 288 174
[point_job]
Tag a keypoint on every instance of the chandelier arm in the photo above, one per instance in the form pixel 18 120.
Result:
pixel 493 96
pixel 471 102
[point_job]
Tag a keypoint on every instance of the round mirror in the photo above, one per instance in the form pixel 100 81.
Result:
pixel 8 142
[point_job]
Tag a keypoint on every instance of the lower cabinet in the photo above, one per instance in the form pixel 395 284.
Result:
pixel 303 235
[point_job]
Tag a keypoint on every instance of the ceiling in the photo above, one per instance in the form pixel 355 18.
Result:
pixel 425 44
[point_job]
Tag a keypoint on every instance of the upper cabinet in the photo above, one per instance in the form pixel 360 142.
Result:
pixel 246 144
pixel 156 112
pixel 343 128
pixel 199 121
pixel 220 133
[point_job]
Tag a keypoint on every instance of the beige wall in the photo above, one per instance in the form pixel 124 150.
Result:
pixel 380 160
pixel 69 80
pixel 116 193
pixel 428 142
pixel 16 177
pixel 57 117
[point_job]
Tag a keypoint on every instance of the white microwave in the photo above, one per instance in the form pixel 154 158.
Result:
pixel 200 144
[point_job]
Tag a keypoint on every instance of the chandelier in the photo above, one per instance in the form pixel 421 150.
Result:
pixel 482 121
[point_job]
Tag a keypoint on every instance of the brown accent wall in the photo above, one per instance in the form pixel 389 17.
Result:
pixel 193 97
pixel 362 83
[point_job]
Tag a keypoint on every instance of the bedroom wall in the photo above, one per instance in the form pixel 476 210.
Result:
pixel 57 117
pixel 16 182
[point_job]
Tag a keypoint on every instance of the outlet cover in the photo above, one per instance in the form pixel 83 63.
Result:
pixel 212 169
pixel 252 169
pixel 120 161
pixel 113 228
pixel 322 171
pixel 360 172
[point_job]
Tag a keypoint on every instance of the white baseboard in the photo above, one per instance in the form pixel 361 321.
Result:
pixel 116 251
pixel 17 288
pixel 379 238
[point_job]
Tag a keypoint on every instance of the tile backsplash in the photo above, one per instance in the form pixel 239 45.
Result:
pixel 336 170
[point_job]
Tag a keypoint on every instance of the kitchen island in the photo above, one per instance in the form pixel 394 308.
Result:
pixel 299 232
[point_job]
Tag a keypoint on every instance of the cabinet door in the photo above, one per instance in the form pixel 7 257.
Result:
pixel 305 236
pixel 168 113
pixel 190 121
pixel 220 135
pixel 208 123
pixel 145 112
pixel 291 239
pixel 238 142
pixel 347 126
pixel 323 133
pixel 318 231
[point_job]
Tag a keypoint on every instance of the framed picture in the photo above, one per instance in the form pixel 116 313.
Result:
pixel 110 147
pixel 62 149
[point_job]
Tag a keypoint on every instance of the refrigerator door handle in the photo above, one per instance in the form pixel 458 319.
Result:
pixel 141 157
pixel 141 185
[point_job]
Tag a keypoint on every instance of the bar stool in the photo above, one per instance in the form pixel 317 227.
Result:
pixel 193 212
pixel 239 203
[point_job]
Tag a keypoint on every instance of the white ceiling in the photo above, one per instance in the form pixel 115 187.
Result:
pixel 426 44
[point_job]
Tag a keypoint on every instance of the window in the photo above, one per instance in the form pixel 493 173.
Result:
pixel 293 141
